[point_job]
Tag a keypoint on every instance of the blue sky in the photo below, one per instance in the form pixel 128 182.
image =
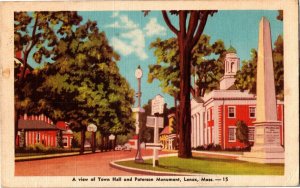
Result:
pixel 130 34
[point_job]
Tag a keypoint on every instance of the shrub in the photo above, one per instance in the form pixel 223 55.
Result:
pixel 31 148
pixel 209 147
pixel 40 147
pixel 75 144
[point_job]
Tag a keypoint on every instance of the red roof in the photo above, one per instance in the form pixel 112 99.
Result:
pixel 165 130
pixel 36 125
pixel 61 125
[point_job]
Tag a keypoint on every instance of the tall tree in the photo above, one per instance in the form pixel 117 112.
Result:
pixel 84 83
pixel 167 68
pixel 35 35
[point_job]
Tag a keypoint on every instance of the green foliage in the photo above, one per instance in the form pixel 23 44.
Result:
pixel 242 132
pixel 80 82
pixel 122 139
pixel 207 61
pixel 246 77
pixel 166 69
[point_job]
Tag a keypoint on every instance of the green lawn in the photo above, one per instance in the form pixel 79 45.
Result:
pixel 207 165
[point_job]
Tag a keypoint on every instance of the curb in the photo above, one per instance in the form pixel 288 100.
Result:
pixel 52 157
pixel 149 172
pixel 217 153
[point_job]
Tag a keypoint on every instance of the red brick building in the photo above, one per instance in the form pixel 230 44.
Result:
pixel 40 129
pixel 214 116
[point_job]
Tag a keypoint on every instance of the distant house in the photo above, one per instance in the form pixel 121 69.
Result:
pixel 40 129
pixel 166 137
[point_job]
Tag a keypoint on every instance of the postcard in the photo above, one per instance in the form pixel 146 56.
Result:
pixel 149 93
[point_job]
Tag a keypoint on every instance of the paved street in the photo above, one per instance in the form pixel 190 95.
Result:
pixel 82 165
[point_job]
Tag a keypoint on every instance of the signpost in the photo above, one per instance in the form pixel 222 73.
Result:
pixel 112 138
pixel 92 128
pixel 156 123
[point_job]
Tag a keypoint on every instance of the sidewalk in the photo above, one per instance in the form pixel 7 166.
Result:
pixel 49 156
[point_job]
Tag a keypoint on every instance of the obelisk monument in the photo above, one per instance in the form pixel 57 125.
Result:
pixel 266 148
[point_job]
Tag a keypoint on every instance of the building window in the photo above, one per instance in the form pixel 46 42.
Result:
pixel 231 134
pixel 251 133
pixel 252 112
pixel 231 112
pixel 65 141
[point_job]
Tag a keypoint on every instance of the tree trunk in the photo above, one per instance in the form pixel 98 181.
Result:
pixel 82 141
pixel 187 37
pixel 106 143
pixel 184 150
pixel 115 142
pixel 93 142
pixel 102 142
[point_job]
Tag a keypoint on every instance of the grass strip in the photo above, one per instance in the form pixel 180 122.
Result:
pixel 206 165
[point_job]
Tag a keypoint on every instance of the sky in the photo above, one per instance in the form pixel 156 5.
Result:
pixel 130 34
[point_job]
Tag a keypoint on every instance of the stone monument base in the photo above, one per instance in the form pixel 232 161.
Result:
pixel 263 157
pixel 267 148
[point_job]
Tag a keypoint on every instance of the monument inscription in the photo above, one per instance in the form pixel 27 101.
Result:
pixel 272 135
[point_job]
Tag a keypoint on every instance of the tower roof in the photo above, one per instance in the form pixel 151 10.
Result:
pixel 231 49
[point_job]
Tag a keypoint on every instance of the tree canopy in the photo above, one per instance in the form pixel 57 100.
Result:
pixel 80 81
pixel 207 61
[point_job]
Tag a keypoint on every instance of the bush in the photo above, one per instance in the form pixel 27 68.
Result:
pixel 75 144
pixel 209 147
pixel 31 148
pixel 39 147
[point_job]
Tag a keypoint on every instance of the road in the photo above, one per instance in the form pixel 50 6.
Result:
pixel 96 164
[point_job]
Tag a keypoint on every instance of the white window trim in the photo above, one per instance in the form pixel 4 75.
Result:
pixel 254 111
pixel 230 127
pixel 234 107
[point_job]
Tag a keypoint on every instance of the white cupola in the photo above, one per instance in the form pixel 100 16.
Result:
pixel 231 66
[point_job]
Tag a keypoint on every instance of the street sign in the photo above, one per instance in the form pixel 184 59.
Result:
pixel 92 128
pixel 157 105
pixel 154 145
pixel 151 121
pixel 156 123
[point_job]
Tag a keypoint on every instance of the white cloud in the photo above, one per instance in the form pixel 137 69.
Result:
pixel 129 24
pixel 154 28
pixel 114 25
pixel 123 22
pixel 136 40
pixel 121 46
pixel 131 39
